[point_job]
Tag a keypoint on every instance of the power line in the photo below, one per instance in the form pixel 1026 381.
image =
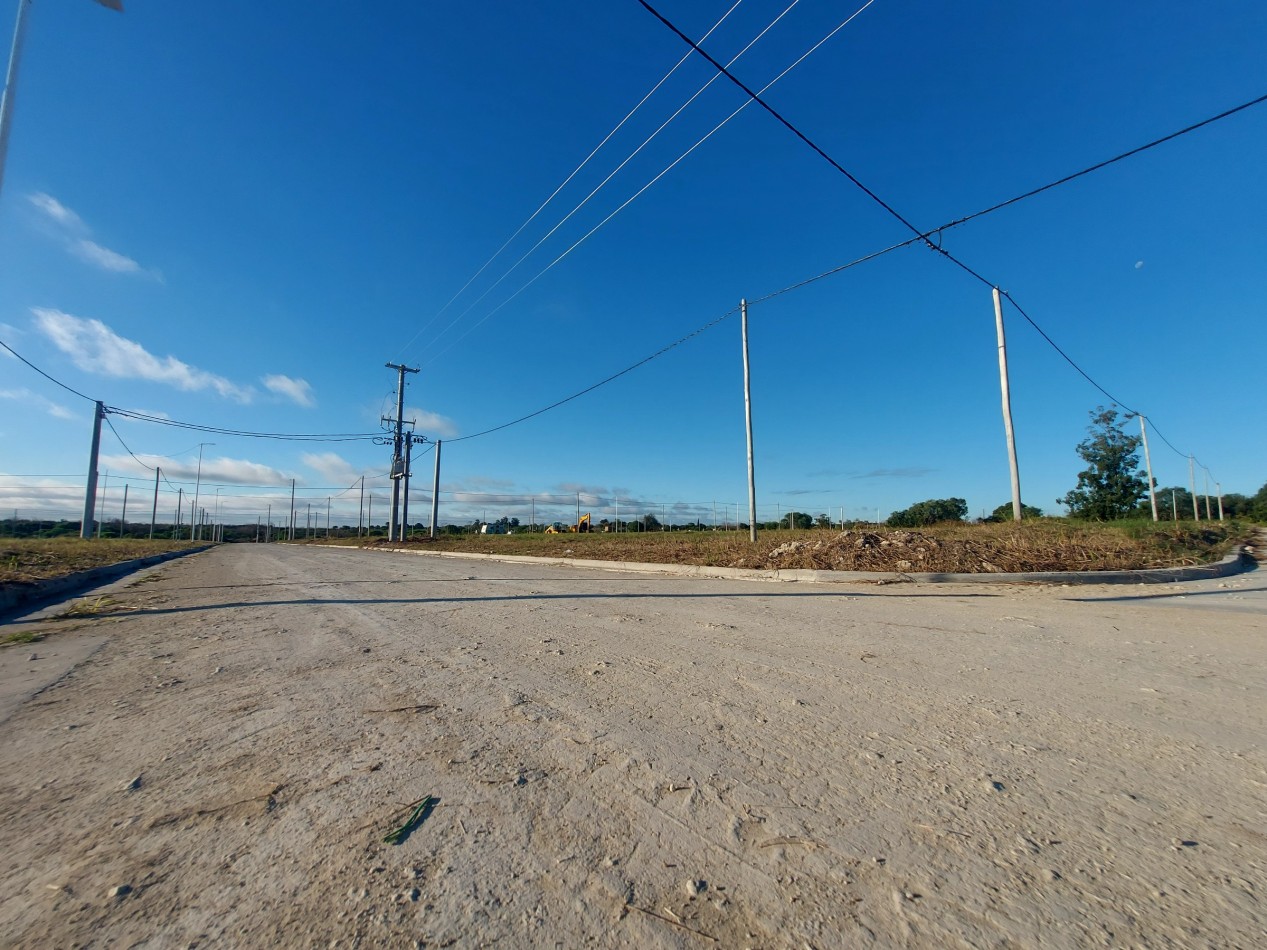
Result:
pixel 596 190
pixel 589 389
pixel 924 236
pixel 51 379
pixel 637 194
pixel 125 445
pixel 532 217
pixel 244 433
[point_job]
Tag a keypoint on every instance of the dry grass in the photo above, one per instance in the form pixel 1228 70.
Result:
pixel 25 560
pixel 1041 545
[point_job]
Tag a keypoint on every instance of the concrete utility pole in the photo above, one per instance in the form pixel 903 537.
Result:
pixel 90 493
pixel 154 512
pixel 360 511
pixel 435 491
pixel 747 411
pixel 1192 487
pixel 290 531
pixel 1007 408
pixel 1205 470
pixel 1217 488
pixel 124 513
pixel 1148 464
pixel 398 455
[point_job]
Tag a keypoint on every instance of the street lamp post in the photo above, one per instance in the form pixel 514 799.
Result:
pixel 11 77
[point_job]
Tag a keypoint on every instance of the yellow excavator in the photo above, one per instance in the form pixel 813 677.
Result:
pixel 582 526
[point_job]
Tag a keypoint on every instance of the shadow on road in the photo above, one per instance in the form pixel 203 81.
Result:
pixel 510 598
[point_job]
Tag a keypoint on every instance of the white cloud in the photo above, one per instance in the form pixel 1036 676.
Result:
pixel 95 348
pixel 105 258
pixel 226 471
pixel 57 211
pixel 332 467
pixel 296 390
pixel 76 235
pixel 57 410
pixel 431 423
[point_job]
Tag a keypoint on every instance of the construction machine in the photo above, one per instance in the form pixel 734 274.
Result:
pixel 582 526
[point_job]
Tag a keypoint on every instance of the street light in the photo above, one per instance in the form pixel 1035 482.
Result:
pixel 215 528
pixel 11 78
pixel 196 530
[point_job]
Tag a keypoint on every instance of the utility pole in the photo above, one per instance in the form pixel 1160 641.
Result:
pixel 123 515
pixel 410 441
pixel 435 491
pixel 1205 475
pixel 1217 488
pixel 398 455
pixel 1007 408
pixel 1148 464
pixel 1174 505
pixel 747 410
pixel 90 493
pixel 180 505
pixel 327 517
pixel 105 489
pixel 1192 487
pixel 154 511
pixel 268 536
pixel 360 511
pixel 290 535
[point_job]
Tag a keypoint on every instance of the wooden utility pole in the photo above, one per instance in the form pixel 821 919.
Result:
pixel 1148 464
pixel 1007 408
pixel 747 410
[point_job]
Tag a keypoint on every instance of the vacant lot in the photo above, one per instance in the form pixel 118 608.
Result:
pixel 24 560
pixel 1041 545
pixel 624 760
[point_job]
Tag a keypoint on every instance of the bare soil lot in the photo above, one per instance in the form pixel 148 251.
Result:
pixel 623 760
pixel 1039 545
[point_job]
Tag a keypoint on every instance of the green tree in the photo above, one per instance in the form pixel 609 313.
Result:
pixel 797 519
pixel 1111 486
pixel 928 512
pixel 1004 512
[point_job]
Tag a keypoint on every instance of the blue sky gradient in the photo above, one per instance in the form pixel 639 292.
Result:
pixel 234 214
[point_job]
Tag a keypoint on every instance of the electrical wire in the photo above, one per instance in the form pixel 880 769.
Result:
pixel 596 190
pixel 51 379
pixel 244 433
pixel 925 236
pixel 589 389
pixel 532 217
pixel 603 223
pixel 125 445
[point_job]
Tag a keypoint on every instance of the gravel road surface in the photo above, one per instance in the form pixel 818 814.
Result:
pixel 621 760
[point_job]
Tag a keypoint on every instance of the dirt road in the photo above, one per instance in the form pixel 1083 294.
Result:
pixel 642 761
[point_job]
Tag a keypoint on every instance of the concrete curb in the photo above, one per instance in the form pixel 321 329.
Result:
pixel 16 596
pixel 1234 563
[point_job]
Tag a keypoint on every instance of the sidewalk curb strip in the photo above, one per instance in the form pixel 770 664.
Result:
pixel 1234 563
pixel 23 595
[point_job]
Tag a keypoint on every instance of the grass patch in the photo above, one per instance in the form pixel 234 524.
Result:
pixel 1043 544
pixel 27 560
pixel 22 636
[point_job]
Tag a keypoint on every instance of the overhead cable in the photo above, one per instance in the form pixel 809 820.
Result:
pixel 596 190
pixel 51 379
pixel 532 217
pixel 601 224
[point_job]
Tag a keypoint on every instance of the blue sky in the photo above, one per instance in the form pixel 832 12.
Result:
pixel 235 214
